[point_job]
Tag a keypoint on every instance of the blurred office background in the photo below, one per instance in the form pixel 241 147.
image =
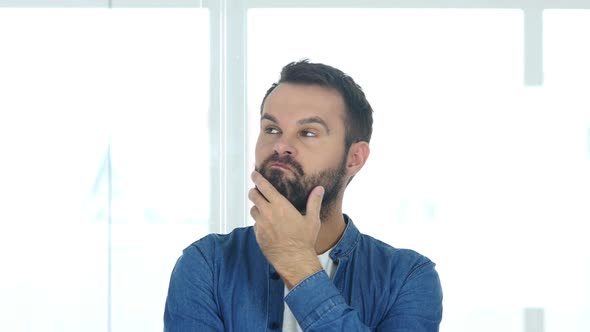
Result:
pixel 127 130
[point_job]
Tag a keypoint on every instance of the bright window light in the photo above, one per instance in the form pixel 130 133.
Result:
pixel 75 82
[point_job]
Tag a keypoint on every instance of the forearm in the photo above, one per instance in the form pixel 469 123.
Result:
pixel 318 306
pixel 299 268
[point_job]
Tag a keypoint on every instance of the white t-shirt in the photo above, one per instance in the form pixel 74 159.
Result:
pixel 289 322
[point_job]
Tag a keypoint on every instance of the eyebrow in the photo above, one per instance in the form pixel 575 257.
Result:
pixel 313 119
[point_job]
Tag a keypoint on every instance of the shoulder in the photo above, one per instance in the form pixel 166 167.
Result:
pixel 378 254
pixel 221 256
pixel 405 270
pixel 210 252
pixel 398 260
pixel 213 244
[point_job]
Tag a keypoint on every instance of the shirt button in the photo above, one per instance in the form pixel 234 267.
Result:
pixel 274 326
pixel 274 276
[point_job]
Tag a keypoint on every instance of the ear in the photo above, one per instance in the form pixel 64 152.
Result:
pixel 357 157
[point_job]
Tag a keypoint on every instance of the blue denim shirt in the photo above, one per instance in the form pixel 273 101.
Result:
pixel 224 283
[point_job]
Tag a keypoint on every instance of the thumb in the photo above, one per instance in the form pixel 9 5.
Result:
pixel 314 202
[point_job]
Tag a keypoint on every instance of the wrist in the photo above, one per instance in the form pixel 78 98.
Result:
pixel 298 270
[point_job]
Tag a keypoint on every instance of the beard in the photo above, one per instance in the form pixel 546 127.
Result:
pixel 298 188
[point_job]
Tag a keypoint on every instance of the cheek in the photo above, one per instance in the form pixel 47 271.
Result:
pixel 334 160
pixel 260 152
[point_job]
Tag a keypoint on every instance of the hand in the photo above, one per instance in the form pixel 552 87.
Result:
pixel 286 237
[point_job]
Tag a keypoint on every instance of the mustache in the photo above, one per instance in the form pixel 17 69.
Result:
pixel 285 159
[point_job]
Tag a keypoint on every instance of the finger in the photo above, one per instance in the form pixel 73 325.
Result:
pixel 266 188
pixel 256 232
pixel 256 197
pixel 314 202
pixel 255 213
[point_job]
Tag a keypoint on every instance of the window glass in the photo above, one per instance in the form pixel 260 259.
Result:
pixel 80 88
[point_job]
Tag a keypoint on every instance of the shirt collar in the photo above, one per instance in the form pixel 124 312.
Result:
pixel 347 242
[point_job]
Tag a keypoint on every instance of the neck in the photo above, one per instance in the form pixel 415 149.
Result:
pixel 331 230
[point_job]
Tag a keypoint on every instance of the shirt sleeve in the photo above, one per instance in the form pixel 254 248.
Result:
pixel 418 307
pixel 318 305
pixel 190 304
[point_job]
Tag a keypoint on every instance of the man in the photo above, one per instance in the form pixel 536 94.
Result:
pixel 304 266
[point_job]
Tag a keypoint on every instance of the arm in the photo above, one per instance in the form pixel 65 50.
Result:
pixel 287 240
pixel 318 305
pixel 191 305
pixel 419 304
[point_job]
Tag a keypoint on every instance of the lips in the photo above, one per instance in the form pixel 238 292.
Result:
pixel 281 166
pixel 283 163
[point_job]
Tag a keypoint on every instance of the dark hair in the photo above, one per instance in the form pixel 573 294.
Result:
pixel 359 114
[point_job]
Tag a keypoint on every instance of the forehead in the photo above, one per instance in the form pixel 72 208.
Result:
pixel 296 101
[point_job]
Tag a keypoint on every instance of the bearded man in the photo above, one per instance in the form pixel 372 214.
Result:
pixel 304 266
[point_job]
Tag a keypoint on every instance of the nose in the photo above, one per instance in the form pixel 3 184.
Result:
pixel 284 147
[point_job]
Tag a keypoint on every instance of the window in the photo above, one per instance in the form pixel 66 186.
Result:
pixel 100 105
pixel 121 130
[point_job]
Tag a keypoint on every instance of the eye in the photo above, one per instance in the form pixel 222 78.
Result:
pixel 307 133
pixel 271 130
